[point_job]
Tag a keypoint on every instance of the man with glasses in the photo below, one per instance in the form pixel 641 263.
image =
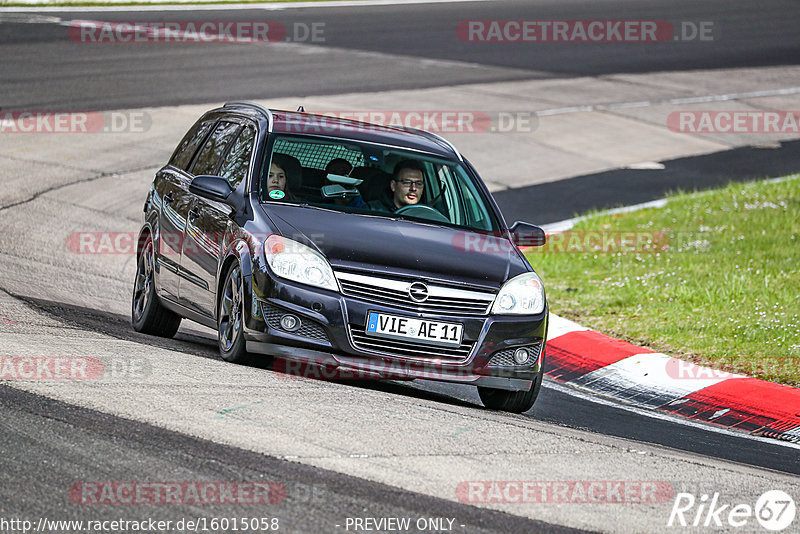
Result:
pixel 407 185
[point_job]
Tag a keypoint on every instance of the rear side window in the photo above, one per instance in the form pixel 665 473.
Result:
pixel 237 162
pixel 188 146
pixel 210 155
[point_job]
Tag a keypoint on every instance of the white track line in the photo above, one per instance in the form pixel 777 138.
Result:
pixel 672 101
pixel 563 226
pixel 567 224
pixel 276 6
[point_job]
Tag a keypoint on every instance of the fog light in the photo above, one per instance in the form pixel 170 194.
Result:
pixel 521 356
pixel 290 323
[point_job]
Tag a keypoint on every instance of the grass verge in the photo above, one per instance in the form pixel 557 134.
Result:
pixel 713 277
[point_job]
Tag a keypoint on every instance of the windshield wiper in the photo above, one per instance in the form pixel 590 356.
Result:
pixel 417 220
pixel 313 207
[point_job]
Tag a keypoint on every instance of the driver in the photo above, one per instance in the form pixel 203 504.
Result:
pixel 407 185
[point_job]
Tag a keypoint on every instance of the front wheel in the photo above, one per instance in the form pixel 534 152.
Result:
pixel 230 322
pixel 512 401
pixel 148 315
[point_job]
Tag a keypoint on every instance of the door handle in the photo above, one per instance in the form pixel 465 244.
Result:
pixel 193 215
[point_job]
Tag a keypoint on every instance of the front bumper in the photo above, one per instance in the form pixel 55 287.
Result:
pixel 331 323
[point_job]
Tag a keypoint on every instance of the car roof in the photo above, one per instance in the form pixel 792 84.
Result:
pixel 300 122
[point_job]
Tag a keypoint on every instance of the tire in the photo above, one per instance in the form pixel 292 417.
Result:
pixel 148 315
pixel 230 318
pixel 512 401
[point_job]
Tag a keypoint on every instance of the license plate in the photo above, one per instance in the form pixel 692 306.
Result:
pixel 413 329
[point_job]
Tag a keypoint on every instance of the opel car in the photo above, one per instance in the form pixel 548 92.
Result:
pixel 338 244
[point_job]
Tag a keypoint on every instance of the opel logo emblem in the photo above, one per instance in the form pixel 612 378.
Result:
pixel 418 292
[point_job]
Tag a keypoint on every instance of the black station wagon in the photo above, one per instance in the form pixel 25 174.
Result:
pixel 328 243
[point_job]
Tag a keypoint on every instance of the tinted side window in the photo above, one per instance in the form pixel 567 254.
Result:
pixel 475 210
pixel 237 162
pixel 188 146
pixel 211 153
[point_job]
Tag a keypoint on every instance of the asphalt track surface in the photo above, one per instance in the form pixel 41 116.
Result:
pixel 44 70
pixel 553 405
pixel 70 441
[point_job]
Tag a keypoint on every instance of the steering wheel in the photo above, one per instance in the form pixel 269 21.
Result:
pixel 423 212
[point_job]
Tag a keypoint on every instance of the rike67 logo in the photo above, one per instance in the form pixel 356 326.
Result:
pixel 775 510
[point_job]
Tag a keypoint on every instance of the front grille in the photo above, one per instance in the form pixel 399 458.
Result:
pixel 308 328
pixel 391 347
pixel 395 293
pixel 505 358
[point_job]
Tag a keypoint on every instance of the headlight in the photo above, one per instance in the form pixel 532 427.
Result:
pixel 522 295
pixel 295 261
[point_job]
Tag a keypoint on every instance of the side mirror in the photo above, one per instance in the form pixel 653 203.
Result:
pixel 215 188
pixel 527 235
pixel 211 187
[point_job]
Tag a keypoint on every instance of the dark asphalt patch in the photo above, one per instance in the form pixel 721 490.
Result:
pixel 564 199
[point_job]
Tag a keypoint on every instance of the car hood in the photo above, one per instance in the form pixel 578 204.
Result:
pixel 402 248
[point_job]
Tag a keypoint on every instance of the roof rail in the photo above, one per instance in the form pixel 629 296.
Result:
pixel 258 107
pixel 438 138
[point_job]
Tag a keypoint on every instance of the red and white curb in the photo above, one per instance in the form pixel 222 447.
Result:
pixel 605 366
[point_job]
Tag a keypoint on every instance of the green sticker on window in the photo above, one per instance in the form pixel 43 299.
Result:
pixel 277 194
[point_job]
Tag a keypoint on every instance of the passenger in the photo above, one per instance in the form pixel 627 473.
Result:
pixel 277 182
pixel 407 185
pixel 343 167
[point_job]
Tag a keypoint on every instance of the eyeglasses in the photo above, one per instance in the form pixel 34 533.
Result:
pixel 407 183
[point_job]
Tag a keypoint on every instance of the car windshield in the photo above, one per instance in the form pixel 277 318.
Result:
pixel 376 180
